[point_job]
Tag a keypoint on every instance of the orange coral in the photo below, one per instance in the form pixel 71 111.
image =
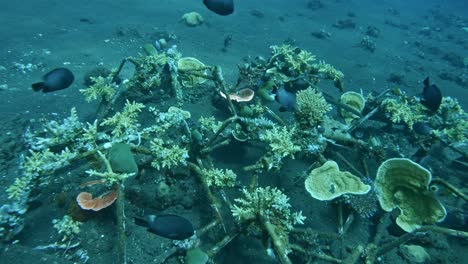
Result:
pixel 244 95
pixel 85 200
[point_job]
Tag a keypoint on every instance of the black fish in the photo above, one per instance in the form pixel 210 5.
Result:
pixel 286 99
pixel 422 128
pixel 431 96
pixel 54 80
pixel 220 7
pixel 168 226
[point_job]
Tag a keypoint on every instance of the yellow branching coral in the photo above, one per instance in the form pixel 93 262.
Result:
pixel 280 141
pixel 268 202
pixel 311 107
pixel 454 121
pixel 166 155
pixel 220 178
pixel 67 228
pixel 289 59
pixel 125 122
pixel 101 88
pixel 400 110
pixel 329 72
pixel 209 124
pixel 109 176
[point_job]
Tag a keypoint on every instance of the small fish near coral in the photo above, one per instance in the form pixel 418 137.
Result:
pixel 57 79
pixel 220 7
pixel 286 99
pixel 169 226
pixel 431 96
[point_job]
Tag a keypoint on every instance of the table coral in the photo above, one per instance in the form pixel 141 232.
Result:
pixel 403 184
pixel 327 182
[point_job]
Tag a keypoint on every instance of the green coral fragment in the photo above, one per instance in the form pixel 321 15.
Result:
pixel 167 156
pixel 403 110
pixel 124 123
pixel 280 141
pixel 209 124
pixel 311 107
pixel 290 61
pixel 67 228
pixel 220 178
pixel 101 87
pixel 329 72
pixel 268 202
pixel 109 175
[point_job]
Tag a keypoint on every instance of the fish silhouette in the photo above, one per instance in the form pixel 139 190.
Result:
pixel 169 226
pixel 220 7
pixel 57 79
pixel 431 96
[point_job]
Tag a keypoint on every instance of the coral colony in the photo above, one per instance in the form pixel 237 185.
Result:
pixel 144 124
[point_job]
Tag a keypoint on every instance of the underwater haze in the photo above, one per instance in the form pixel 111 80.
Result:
pixel 172 131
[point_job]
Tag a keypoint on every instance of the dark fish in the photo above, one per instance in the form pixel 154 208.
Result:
pixel 220 7
pixel 422 128
pixel 54 80
pixel 168 226
pixel 286 99
pixel 431 96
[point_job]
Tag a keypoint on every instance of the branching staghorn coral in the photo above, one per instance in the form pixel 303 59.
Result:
pixel 220 178
pixel 102 87
pixel 167 155
pixel 55 132
pixel 311 108
pixel 402 111
pixel 124 124
pixel 270 210
pixel 451 123
pixel 271 203
pixel 329 72
pixel 281 144
pixel 109 176
pixel 67 228
pixel 289 59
